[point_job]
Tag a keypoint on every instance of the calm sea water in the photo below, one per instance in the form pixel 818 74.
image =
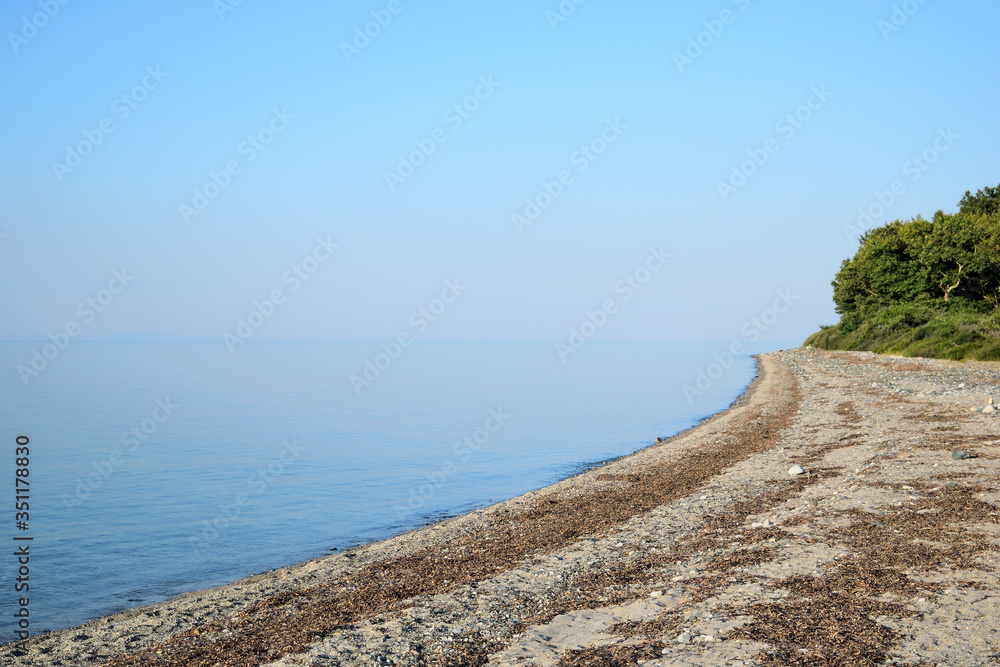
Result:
pixel 158 468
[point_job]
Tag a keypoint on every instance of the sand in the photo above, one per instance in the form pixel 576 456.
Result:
pixel 701 550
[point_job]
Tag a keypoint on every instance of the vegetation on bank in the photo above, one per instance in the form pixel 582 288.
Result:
pixel 924 288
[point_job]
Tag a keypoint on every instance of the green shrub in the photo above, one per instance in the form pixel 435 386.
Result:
pixel 923 288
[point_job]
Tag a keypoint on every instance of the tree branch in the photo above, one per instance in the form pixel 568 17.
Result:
pixel 948 290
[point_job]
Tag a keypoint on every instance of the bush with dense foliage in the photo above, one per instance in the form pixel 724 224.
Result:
pixel 924 288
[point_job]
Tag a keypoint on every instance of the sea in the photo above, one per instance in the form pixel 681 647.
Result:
pixel 148 469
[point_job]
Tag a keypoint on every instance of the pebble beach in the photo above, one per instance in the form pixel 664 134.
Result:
pixel 843 511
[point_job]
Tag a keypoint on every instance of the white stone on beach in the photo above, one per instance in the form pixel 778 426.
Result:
pixel 989 408
pixel 796 470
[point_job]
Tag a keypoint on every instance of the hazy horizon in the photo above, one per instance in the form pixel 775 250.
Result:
pixel 518 171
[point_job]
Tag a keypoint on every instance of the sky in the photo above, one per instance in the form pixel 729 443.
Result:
pixel 472 171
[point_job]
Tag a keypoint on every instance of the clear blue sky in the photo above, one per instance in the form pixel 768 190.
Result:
pixel 681 129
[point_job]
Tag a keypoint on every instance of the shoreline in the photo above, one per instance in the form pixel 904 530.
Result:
pixel 389 533
pixel 291 576
pixel 678 549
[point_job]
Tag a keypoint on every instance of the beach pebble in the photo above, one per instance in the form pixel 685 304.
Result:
pixel 960 454
pixel 684 638
pixel 796 470
pixel 989 408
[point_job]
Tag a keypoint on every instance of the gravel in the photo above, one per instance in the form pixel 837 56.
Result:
pixel 702 549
